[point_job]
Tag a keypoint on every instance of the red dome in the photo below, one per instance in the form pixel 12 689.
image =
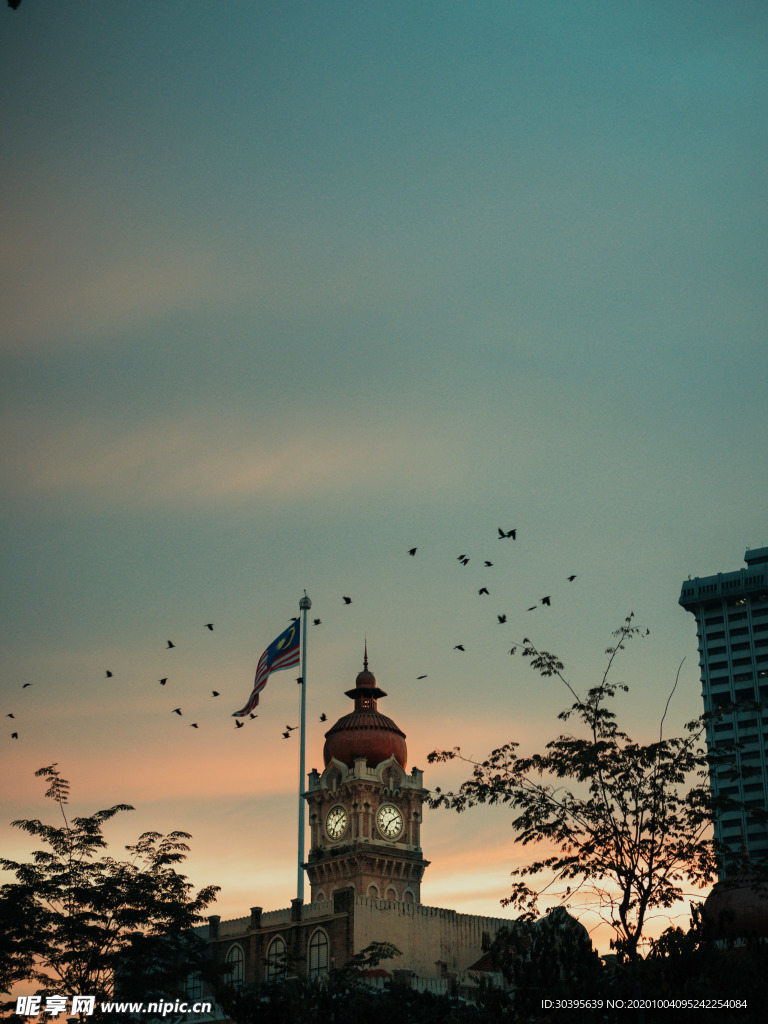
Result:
pixel 736 909
pixel 365 732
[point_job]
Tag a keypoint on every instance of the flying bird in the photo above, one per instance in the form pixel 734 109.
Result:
pixel 412 552
pixel 10 716
pixel 509 533
pixel 323 717
pixel 299 680
pixel 464 561
pixel 533 608
pixel 14 735
pixel 460 558
pixel 545 600
pixel 215 693
pixel 286 735
pixel 571 578
pixel 193 725
pixel 459 647
pixel 29 684
pixel 209 625
pixel 170 645
pixel 176 711
pixel 317 621
pixel 163 681
pixel 483 590
pixel 421 677
pixel 290 728
pixel 109 675
pixel 488 564
pixel 252 716
pixel 239 725
pixel 347 600
pixel 502 618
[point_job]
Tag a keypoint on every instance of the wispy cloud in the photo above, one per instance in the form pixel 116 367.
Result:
pixel 202 460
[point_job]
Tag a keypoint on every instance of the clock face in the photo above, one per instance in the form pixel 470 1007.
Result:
pixel 336 822
pixel 389 821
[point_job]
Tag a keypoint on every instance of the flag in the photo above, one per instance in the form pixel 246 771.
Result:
pixel 281 653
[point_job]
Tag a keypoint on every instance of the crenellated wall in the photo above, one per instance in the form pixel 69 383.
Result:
pixel 429 937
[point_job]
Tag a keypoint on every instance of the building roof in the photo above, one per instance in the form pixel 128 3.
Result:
pixel 365 732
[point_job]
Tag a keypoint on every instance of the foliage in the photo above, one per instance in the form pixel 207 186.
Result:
pixel 75 918
pixel 635 824
pixel 546 959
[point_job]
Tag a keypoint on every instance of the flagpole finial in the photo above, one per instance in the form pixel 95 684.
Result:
pixel 305 604
pixel 365 656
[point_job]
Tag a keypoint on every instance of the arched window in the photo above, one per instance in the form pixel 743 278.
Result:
pixel 407 896
pixel 276 959
pixel 194 987
pixel 318 954
pixel 236 961
pixel 373 892
pixel 391 894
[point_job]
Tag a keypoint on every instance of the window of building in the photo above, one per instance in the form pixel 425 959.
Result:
pixel 236 961
pixel 194 987
pixel 373 892
pixel 391 894
pixel 276 959
pixel 317 960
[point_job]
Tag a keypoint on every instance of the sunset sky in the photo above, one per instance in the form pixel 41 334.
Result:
pixel 289 288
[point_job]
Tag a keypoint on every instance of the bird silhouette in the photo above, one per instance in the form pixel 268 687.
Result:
pixel 239 725
pixel 290 728
pixel 317 622
pixel 412 552
pixel 483 590
pixel 14 735
pixel 10 715
pixel 347 600
pixel 323 717
pixel 163 681
pixel 545 600
pixel 26 685
pixel 533 608
pixel 509 533
pixel 488 564
pixel 460 558
pixel 252 716
pixel 571 578
pixel 299 680
pixel 193 725
pixel 176 711
pixel 464 561
pixel 502 618
pixel 209 625
pixel 421 677
pixel 109 675
pixel 459 647
pixel 215 693
pixel 170 645
pixel 286 735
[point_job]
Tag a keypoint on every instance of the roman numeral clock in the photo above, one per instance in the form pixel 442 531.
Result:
pixel 365 810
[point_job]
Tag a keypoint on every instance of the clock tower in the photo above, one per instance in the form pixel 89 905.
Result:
pixel 365 809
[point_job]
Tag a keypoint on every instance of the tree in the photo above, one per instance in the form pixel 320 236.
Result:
pixel 74 919
pixel 634 827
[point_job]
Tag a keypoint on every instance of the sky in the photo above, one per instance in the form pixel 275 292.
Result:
pixel 290 288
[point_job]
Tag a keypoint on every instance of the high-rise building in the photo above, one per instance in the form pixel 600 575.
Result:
pixel 731 611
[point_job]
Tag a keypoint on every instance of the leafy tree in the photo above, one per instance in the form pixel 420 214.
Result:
pixel 629 822
pixel 75 919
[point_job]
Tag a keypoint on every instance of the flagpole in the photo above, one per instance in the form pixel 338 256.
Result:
pixel 304 605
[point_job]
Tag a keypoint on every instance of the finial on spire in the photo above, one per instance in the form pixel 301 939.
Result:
pixel 365 655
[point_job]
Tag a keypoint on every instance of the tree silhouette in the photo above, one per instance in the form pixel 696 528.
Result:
pixel 635 824
pixel 74 918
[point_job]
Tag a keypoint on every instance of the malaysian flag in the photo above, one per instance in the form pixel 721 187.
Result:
pixel 281 653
